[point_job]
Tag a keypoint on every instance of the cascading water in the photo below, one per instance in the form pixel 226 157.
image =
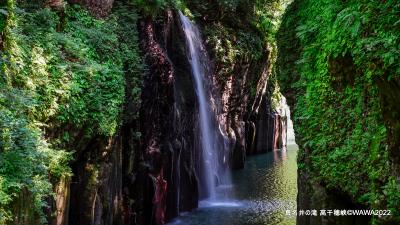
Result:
pixel 210 150
pixel 266 186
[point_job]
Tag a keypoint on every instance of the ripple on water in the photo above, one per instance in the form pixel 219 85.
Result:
pixel 260 195
pixel 226 203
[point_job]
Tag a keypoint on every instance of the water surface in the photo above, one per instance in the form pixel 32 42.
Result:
pixel 260 194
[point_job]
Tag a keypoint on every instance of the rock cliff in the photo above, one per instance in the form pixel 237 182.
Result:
pixel 136 159
pixel 342 93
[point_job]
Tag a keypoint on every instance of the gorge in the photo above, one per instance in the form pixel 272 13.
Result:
pixel 151 112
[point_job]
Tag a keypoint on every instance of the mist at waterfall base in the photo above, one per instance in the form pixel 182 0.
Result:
pixel 261 192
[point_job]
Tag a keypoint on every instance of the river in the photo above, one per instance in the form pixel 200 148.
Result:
pixel 260 194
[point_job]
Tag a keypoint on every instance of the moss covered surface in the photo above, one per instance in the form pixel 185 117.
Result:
pixel 62 75
pixel 331 54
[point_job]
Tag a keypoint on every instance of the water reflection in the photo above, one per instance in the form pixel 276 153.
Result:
pixel 260 194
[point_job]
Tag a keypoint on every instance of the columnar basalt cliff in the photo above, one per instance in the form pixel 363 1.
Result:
pixel 122 120
pixel 343 96
pixel 100 122
pixel 241 79
pixel 169 120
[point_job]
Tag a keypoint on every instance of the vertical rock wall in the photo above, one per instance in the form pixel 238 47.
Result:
pixel 349 144
pixel 96 186
pixel 168 120
pixel 149 179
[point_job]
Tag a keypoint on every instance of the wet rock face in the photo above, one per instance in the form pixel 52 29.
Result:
pixel 23 209
pixel 249 120
pixel 96 186
pixel 157 97
pixel 389 90
pixel 314 196
pixel 149 179
pixel 127 180
pixel 269 128
pixel 62 201
pixel 168 120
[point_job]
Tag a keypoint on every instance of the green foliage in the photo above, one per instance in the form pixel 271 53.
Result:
pixel 65 74
pixel 97 85
pixel 3 15
pixel 77 76
pixel 153 8
pixel 392 190
pixel 229 46
pixel 330 53
pixel 2 20
pixel 268 16
pixel 242 31
pixel 237 31
pixel 26 158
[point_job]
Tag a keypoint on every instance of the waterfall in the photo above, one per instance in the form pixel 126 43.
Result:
pixel 208 130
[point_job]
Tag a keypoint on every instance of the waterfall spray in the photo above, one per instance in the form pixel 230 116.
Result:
pixel 210 148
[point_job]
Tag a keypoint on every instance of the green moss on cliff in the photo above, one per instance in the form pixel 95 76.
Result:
pixel 331 53
pixel 239 33
pixel 60 73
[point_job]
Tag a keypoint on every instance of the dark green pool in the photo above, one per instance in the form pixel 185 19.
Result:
pixel 260 194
